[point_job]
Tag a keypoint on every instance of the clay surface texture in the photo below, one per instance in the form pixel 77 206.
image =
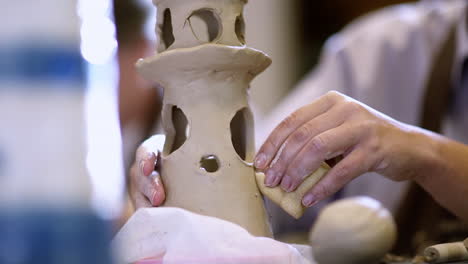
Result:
pixel 353 231
pixel 291 202
pixel 205 71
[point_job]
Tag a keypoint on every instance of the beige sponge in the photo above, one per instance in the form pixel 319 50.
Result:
pixel 291 202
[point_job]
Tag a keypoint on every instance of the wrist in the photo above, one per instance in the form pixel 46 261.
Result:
pixel 429 156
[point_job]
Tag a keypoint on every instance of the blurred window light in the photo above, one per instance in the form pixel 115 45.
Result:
pixel 104 159
pixel 150 23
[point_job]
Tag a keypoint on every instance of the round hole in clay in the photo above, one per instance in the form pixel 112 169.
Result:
pixel 242 134
pixel 209 163
pixel 240 29
pixel 205 25
pixel 167 31
pixel 178 128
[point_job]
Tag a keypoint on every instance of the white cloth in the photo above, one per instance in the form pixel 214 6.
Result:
pixel 383 60
pixel 176 236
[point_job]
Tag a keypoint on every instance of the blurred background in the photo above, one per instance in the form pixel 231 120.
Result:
pixel 291 32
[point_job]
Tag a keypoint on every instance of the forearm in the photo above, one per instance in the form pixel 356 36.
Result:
pixel 445 175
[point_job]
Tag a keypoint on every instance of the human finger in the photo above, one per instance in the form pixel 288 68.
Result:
pixel 139 200
pixel 297 140
pixel 147 153
pixel 352 166
pixel 152 188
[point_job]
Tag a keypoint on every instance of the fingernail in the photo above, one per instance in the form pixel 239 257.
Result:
pixel 276 181
pixel 154 198
pixel 286 183
pixel 151 155
pixel 155 179
pixel 309 200
pixel 270 178
pixel 260 161
pixel 146 167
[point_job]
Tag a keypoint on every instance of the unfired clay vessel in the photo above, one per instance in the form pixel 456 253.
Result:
pixel 205 70
pixel 354 231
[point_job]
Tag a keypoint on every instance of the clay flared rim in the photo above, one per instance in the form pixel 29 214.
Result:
pixel 207 57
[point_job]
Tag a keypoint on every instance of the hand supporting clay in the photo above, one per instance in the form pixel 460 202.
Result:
pixel 466 243
pixel 448 252
pixel 353 231
pixel 291 202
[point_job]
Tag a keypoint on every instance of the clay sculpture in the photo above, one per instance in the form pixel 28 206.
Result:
pixel 205 70
pixel 354 231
